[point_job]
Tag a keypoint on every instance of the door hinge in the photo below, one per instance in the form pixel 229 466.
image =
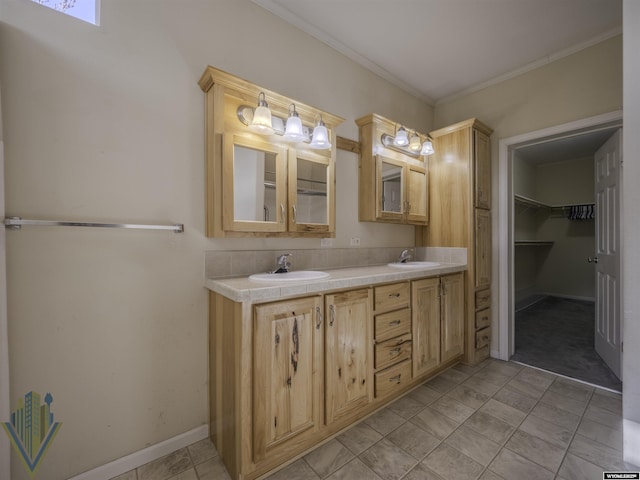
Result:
pixel 621 347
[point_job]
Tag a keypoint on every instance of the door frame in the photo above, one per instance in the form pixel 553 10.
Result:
pixel 505 249
pixel 5 411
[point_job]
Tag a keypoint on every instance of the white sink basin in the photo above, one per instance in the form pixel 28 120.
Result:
pixel 414 264
pixel 298 275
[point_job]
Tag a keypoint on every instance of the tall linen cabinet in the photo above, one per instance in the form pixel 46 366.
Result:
pixel 460 216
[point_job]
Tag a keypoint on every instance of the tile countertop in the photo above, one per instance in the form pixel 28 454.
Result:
pixel 241 289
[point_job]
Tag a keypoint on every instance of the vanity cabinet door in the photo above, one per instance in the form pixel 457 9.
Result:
pixel 348 354
pixel 417 198
pixel 311 192
pixel 425 313
pixel 287 373
pixel 482 150
pixel 452 316
pixel 390 189
pixel 254 190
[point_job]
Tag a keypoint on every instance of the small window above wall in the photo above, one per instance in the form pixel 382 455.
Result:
pixel 86 10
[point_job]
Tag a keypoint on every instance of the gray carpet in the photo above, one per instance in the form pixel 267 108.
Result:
pixel 557 334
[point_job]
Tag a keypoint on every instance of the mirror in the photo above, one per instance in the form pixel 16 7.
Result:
pixel 311 184
pixel 391 188
pixel 254 185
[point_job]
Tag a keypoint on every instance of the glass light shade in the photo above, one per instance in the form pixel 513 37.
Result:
pixel 320 139
pixel 427 148
pixel 261 122
pixel 402 139
pixel 415 144
pixel 293 131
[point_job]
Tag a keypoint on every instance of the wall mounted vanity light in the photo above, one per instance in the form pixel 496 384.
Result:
pixel 412 145
pixel 401 138
pixel 261 120
pixel 320 137
pixel 293 131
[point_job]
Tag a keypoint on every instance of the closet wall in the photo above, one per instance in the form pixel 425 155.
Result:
pixel 555 262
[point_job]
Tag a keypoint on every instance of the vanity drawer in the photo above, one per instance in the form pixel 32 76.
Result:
pixel 392 324
pixel 393 378
pixel 483 299
pixel 392 351
pixel 389 297
pixel 483 337
pixel 483 318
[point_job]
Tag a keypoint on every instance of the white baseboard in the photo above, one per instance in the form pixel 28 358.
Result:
pixel 146 455
pixel 631 441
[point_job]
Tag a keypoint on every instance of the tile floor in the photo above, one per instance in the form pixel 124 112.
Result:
pixel 498 420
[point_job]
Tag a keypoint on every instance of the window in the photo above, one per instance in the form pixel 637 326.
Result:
pixel 86 10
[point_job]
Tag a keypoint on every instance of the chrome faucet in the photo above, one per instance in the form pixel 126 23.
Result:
pixel 405 255
pixel 283 264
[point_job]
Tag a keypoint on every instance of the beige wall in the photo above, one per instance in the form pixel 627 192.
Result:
pixel 106 124
pixel 631 234
pixel 565 270
pixel 582 85
pixel 560 269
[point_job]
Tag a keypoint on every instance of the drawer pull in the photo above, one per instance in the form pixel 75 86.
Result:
pixel 395 351
pixel 392 295
pixel 396 379
pixel 395 322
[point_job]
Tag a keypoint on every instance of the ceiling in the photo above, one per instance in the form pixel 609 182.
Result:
pixel 437 49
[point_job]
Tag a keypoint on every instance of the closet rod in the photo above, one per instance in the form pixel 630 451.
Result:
pixel 16 223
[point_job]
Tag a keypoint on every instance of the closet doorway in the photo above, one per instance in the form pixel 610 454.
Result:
pixel 553 307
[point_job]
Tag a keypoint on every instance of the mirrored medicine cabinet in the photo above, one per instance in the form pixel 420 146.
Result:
pixel 262 185
pixel 393 185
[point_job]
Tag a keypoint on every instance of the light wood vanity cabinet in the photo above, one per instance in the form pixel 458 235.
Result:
pixel 392 185
pixel 288 374
pixel 392 335
pixel 261 185
pixel 348 357
pixel 437 321
pixel 288 358
pixel 452 317
pixel 460 216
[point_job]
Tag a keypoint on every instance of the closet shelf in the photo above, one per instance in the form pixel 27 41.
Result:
pixel 533 243
pixel 530 202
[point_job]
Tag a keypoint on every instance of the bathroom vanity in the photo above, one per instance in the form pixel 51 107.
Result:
pixel 294 363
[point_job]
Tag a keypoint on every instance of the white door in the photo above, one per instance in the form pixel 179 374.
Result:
pixel 608 335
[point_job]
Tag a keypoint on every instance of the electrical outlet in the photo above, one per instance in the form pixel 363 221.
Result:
pixel 326 242
pixel 355 241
